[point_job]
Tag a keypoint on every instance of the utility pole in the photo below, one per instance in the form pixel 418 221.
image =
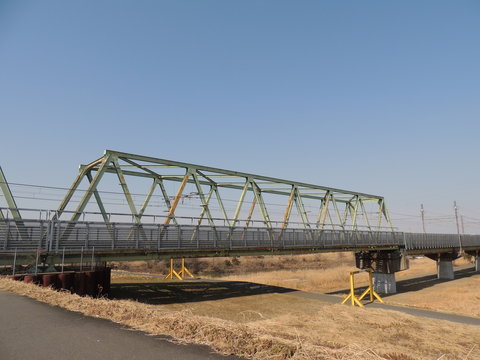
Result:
pixel 461 222
pixel 458 225
pixel 423 218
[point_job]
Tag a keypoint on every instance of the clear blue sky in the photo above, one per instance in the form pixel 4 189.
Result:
pixel 374 96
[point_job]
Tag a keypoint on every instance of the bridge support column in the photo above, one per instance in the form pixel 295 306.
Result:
pixel 444 264
pixel 384 283
pixel 384 263
pixel 477 263
pixel 445 269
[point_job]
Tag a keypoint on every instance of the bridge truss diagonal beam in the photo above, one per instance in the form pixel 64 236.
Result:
pixel 8 196
pixel 12 207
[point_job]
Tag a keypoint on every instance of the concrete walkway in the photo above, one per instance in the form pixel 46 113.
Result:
pixel 34 330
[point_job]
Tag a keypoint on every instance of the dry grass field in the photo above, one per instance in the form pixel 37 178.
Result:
pixel 254 323
pixel 279 326
pixel 461 296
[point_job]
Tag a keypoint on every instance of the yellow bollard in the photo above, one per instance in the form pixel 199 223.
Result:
pixel 172 272
pixel 179 275
pixel 356 300
pixel 370 290
pixel 352 296
pixel 184 271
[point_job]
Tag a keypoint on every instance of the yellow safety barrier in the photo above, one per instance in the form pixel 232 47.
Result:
pixel 184 271
pixel 356 300
pixel 179 275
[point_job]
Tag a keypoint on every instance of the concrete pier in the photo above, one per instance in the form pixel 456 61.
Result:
pixel 384 283
pixel 445 269
pixel 477 263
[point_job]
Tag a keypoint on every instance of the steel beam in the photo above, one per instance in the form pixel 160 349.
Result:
pixel 288 210
pixel 12 206
pixel 324 210
pixel 178 196
pixel 71 191
pixel 337 212
pixel 126 191
pixel 263 209
pixel 96 194
pixel 7 194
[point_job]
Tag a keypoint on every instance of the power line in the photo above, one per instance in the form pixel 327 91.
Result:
pixel 193 194
pixel 119 200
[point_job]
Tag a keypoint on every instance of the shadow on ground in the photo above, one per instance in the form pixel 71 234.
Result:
pixel 418 283
pixel 189 291
pixel 198 290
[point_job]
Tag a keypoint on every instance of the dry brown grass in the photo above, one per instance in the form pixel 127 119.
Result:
pixel 280 326
pixel 123 277
pixel 461 296
pixel 222 266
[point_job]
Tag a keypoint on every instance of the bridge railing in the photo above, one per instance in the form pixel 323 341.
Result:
pixel 56 235
pixel 420 241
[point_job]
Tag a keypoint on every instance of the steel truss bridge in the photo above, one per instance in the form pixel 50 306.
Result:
pixel 341 220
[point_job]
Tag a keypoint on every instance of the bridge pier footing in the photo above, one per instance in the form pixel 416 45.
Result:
pixel 445 269
pixel 444 264
pixel 384 283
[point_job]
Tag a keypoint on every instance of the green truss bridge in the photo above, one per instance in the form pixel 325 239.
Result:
pixel 189 210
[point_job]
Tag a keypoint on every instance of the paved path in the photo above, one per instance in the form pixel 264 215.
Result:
pixel 34 330
pixel 412 311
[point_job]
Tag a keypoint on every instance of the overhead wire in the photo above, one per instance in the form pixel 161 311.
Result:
pixel 116 201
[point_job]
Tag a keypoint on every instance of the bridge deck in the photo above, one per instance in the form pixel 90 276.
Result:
pixel 127 241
